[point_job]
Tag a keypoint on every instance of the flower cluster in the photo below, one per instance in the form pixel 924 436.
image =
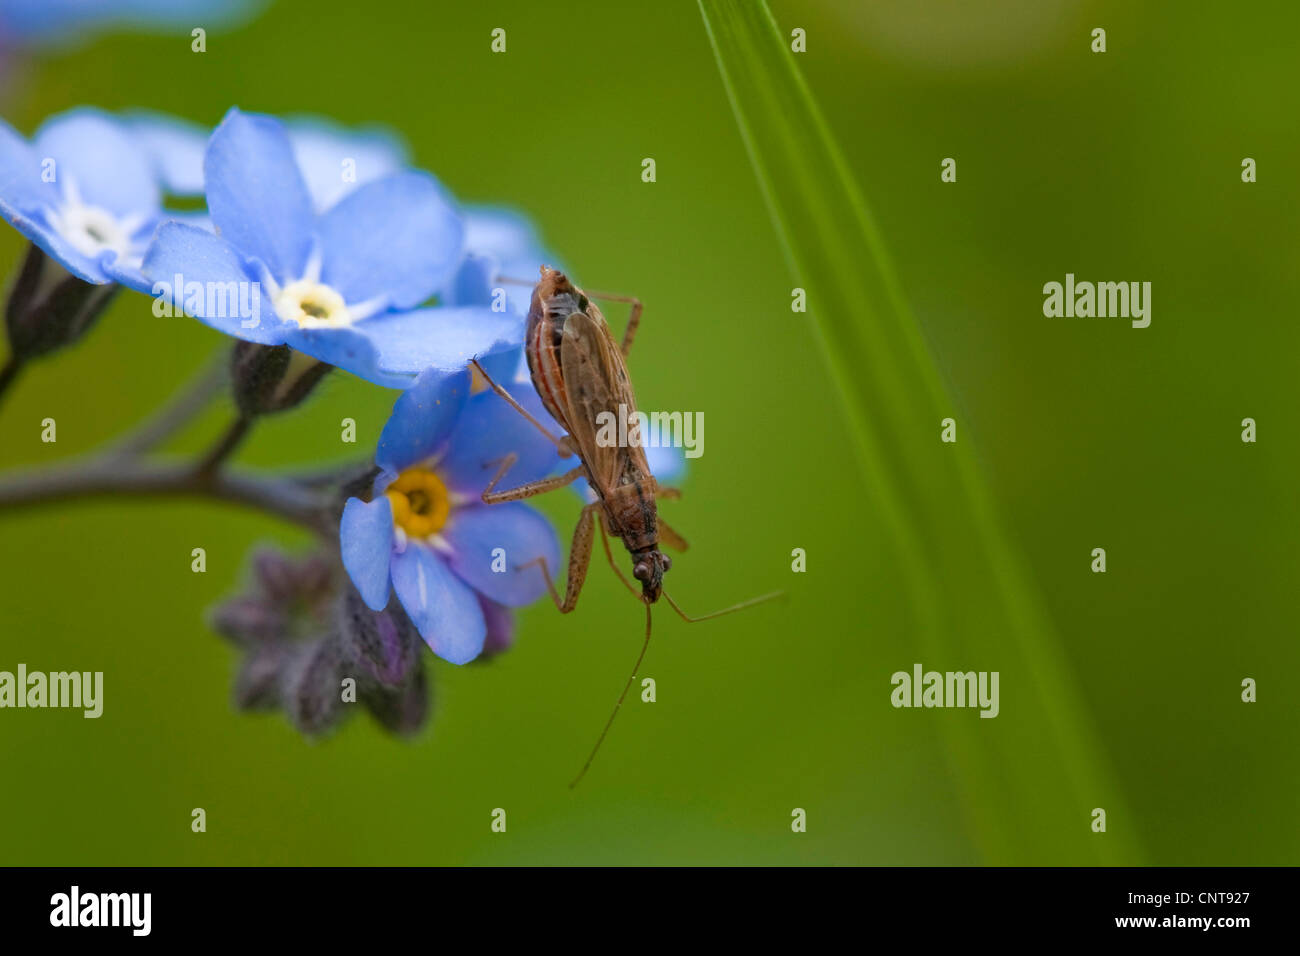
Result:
pixel 315 247
pixel 310 647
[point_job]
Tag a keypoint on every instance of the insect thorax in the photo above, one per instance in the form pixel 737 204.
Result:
pixel 633 515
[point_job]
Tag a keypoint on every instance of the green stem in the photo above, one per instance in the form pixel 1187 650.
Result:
pixel 225 445
pixel 113 477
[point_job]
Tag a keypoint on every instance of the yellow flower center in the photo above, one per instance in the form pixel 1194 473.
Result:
pixel 312 305
pixel 420 502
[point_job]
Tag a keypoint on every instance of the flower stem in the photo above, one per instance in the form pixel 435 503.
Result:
pixel 9 372
pixel 123 478
pixel 180 410
pixel 225 445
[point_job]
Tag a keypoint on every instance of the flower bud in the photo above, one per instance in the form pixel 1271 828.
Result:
pixel 248 621
pixel 272 378
pixel 257 685
pixel 402 710
pixel 500 628
pixel 303 629
pixel 49 307
pixel 312 684
pixel 384 643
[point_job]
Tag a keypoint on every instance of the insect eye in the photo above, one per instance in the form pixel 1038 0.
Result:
pixel 668 563
pixel 641 571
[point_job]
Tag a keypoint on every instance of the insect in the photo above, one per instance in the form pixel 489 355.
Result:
pixel 580 372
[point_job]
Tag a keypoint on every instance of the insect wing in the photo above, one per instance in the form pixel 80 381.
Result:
pixel 596 383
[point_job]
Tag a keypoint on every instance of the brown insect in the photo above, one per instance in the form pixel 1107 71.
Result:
pixel 581 373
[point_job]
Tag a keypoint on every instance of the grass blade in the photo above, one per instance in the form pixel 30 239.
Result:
pixel 1032 776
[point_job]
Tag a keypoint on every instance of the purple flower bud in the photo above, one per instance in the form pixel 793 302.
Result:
pixel 305 581
pixel 312 687
pixel 384 643
pixel 257 685
pixel 402 710
pixel 249 621
pixel 304 629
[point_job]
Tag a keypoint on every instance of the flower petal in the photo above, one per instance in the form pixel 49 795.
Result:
pixel 471 283
pixel 21 187
pixel 366 541
pixel 193 270
pixel 326 150
pixel 410 342
pixel 87 268
pixel 97 154
pixel 443 608
pixel 397 238
pixel 348 349
pixel 490 429
pixel 509 368
pixel 422 419
pixel 508 237
pixel 256 194
pixel 475 532
pixel 174 146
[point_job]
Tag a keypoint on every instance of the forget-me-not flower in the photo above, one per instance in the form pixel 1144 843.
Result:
pixel 427 533
pixel 84 191
pixel 344 286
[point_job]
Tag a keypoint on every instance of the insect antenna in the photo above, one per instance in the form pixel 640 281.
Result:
pixel 726 610
pixel 626 687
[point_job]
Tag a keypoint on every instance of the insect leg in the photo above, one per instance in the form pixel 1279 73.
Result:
pixel 559 443
pixel 633 319
pixel 672 494
pixel 604 540
pixel 670 537
pixel 529 490
pixel 579 559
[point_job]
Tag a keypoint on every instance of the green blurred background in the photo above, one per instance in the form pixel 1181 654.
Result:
pixel 1122 166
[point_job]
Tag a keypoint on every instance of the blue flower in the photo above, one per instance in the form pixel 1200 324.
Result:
pixel 500 244
pixel 84 191
pixel 326 151
pixel 333 159
pixel 343 286
pixel 425 530
pixel 34 22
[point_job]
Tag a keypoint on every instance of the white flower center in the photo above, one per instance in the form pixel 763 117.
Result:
pixel 313 305
pixel 92 230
